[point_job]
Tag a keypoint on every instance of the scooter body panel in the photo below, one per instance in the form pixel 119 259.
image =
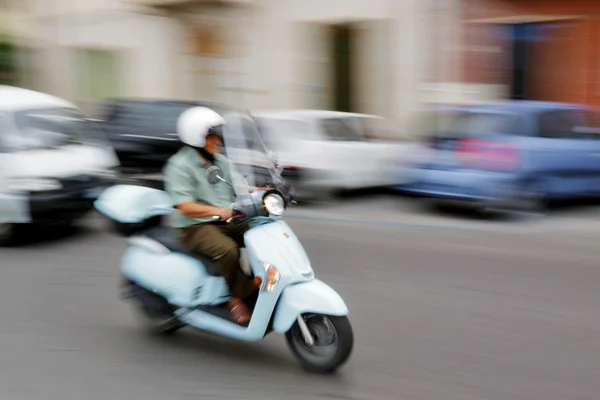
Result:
pixel 180 279
pixel 184 283
pixel 313 296
pixel 275 243
pixel 255 331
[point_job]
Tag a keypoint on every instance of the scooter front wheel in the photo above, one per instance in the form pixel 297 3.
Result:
pixel 330 345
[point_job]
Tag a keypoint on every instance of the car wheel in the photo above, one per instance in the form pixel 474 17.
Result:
pixel 531 200
pixel 439 205
pixel 8 235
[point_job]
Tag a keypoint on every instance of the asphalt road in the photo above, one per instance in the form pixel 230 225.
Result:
pixel 442 307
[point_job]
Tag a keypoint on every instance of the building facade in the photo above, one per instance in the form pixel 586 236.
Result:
pixel 539 50
pixel 15 39
pixel 98 49
pixel 385 57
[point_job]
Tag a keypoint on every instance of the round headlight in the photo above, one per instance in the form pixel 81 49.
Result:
pixel 274 204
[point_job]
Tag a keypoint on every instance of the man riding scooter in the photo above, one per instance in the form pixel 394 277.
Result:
pixel 197 202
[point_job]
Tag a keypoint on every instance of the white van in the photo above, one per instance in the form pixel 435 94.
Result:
pixel 53 161
pixel 326 151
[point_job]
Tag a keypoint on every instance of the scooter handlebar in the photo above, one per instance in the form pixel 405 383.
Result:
pixel 247 207
pixel 236 213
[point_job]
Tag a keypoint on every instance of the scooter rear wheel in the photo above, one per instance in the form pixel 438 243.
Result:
pixel 153 312
pixel 156 324
pixel 333 342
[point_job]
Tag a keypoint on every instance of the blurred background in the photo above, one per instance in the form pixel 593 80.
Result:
pixel 135 65
pixel 379 57
pixel 384 57
pixel 382 113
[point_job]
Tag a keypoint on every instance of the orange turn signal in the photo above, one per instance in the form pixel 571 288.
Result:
pixel 257 281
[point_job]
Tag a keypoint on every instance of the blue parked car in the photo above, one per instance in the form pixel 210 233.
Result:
pixel 516 154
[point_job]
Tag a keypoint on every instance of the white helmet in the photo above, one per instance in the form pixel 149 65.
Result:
pixel 195 124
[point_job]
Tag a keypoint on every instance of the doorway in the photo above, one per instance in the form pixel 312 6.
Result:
pixel 8 64
pixel 520 68
pixel 544 58
pixel 346 67
pixel 342 58
pixel 98 74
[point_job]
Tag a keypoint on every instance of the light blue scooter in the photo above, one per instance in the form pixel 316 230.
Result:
pixel 173 288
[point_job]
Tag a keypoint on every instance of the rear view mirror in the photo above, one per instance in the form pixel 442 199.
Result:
pixel 213 175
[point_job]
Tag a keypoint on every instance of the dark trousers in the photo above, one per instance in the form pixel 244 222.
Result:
pixel 221 243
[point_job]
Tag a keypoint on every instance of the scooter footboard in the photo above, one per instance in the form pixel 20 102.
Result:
pixel 308 297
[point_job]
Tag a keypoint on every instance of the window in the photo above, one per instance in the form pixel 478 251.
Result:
pixel 343 129
pixel 278 133
pixel 149 116
pixel 567 124
pixel 476 124
pixel 374 128
pixel 432 124
pixel 466 124
pixel 51 128
pixel 4 132
pixel 590 127
pixel 253 138
pixel 266 132
pixel 241 132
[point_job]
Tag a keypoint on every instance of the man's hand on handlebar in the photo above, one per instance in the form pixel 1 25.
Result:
pixel 225 213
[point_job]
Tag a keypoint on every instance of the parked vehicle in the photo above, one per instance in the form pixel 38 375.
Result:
pixel 144 133
pixel 326 151
pixel 172 287
pixel 53 161
pixel 516 154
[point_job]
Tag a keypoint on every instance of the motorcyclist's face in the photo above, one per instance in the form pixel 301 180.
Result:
pixel 213 142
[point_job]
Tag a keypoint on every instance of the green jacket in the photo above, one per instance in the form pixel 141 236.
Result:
pixel 186 181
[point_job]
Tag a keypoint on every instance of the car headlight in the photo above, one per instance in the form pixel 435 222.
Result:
pixel 274 204
pixel 34 185
pixel 272 277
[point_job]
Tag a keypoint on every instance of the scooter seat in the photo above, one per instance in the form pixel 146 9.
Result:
pixel 166 236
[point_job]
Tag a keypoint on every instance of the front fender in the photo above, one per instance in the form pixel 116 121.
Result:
pixel 313 296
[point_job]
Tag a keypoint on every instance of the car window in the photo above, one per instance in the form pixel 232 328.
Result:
pixel 472 124
pixel 9 139
pixel 3 132
pixel 344 129
pixel 51 128
pixel 253 140
pixel 277 132
pixel 590 126
pixel 567 124
pixel 478 124
pixel 374 128
pixel 432 124
pixel 148 116
pixel 266 132
pixel 241 133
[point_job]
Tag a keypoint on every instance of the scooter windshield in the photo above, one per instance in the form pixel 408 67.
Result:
pixel 244 148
